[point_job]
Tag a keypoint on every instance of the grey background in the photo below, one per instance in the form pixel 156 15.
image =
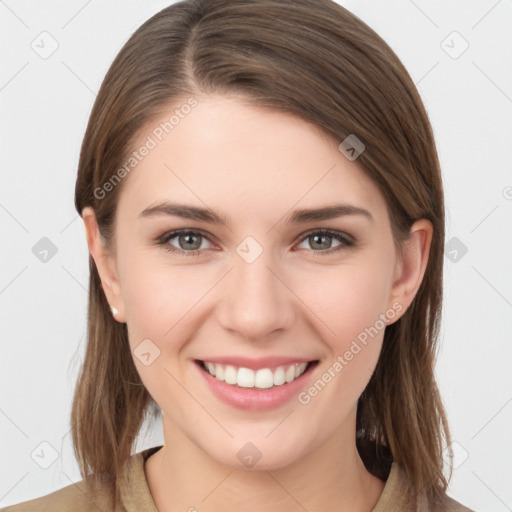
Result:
pixel 45 101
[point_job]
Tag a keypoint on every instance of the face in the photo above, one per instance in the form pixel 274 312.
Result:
pixel 258 284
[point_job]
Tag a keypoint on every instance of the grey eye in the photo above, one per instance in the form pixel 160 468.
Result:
pixel 320 242
pixel 187 241
pixel 190 241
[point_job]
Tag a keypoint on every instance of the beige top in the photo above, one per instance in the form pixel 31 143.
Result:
pixel 137 498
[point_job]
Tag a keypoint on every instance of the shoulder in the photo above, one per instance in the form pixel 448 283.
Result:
pixel 455 506
pixel 95 494
pixel 398 496
pixel 82 496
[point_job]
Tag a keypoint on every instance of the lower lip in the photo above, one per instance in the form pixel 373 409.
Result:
pixel 253 398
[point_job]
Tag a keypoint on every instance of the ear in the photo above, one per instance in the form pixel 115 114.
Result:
pixel 411 266
pixel 105 263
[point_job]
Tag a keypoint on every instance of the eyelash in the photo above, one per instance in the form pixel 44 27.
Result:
pixel 345 240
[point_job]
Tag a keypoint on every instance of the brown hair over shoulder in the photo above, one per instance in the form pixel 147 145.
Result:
pixel 316 60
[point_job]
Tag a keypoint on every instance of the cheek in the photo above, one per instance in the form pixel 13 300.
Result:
pixel 348 299
pixel 156 295
pixel 350 302
pixel 161 303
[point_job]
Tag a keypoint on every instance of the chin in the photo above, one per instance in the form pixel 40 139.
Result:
pixel 260 453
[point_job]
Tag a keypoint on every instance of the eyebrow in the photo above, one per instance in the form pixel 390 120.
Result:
pixel 301 216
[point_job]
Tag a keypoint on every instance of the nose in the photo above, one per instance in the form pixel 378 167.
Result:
pixel 256 302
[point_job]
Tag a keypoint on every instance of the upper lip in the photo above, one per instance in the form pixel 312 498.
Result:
pixel 255 364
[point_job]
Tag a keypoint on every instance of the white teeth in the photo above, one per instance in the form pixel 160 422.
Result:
pixel 219 372
pixel 245 378
pixel 299 370
pixel 279 376
pixel 230 374
pixel 263 378
pixel 290 374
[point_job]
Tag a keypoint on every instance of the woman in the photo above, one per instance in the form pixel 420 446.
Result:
pixel 263 206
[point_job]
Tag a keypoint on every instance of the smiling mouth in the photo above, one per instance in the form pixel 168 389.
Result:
pixel 263 378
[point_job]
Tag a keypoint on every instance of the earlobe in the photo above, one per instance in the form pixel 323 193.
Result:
pixel 105 264
pixel 411 267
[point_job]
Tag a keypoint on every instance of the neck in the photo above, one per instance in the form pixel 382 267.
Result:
pixel 181 476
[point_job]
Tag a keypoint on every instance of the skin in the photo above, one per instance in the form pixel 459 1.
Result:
pixel 292 300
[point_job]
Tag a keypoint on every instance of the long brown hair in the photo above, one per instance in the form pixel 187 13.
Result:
pixel 316 60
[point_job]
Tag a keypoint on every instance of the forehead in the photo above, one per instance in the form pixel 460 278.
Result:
pixel 242 160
